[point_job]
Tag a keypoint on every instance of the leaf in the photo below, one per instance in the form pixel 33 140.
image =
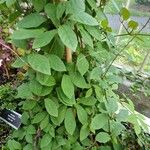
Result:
pixel 86 37
pixel 39 117
pixel 28 147
pixel 99 121
pixel 10 2
pixel 84 132
pixel 31 21
pixel 67 86
pixel 24 92
pixel 45 80
pixel 61 7
pixel 82 114
pixel 44 39
pixel 30 130
pixel 82 64
pixel 132 24
pixel 29 104
pixel 19 62
pixel 89 93
pixel 14 145
pixel 39 63
pixel 51 10
pixel 77 5
pixel 51 107
pixel 56 63
pixel 84 18
pixel 22 34
pixel 39 4
pixel 125 13
pixel 104 23
pixel 44 123
pixel 103 137
pixel 111 105
pixel 95 32
pixel 68 37
pixel 79 80
pixel 46 139
pixel 70 123
pixel 38 89
pixel 96 73
pixel 122 115
pixel 89 101
pixel 64 99
pixel 61 115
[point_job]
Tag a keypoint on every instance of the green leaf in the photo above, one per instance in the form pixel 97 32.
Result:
pixel 44 123
pixel 45 80
pixel 132 24
pixel 103 137
pixel 38 89
pixel 122 115
pixel 89 93
pixel 82 114
pixel 51 10
pixel 96 73
pixel 84 132
pixel 86 37
pixel 39 4
pixel 29 104
pixel 95 32
pixel 111 105
pixel 70 123
pixel 10 2
pixel 24 91
pixel 51 107
pixel 46 139
pixel 31 21
pixel 99 121
pixel 14 145
pixel 61 7
pixel 19 62
pixel 79 80
pixel 125 13
pixel 67 86
pixel 87 101
pixel 29 138
pixel 61 115
pixel 82 64
pixel 84 18
pixel 56 63
pixel 30 129
pixel 58 48
pixel 68 37
pixel 44 39
pixel 64 99
pixel 39 117
pixel 22 34
pixel 104 23
pixel 39 63
pixel 28 147
pixel 77 5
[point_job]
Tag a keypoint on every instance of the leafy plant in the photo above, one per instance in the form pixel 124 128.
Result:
pixel 68 102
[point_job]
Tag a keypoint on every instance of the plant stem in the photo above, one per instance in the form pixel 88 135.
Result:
pixel 68 55
pixel 118 54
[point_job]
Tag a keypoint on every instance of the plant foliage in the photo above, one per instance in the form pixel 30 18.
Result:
pixel 67 102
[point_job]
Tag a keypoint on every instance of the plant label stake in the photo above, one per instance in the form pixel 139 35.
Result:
pixel 10 117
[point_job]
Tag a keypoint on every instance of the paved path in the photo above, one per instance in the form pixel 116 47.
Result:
pixel 114 21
